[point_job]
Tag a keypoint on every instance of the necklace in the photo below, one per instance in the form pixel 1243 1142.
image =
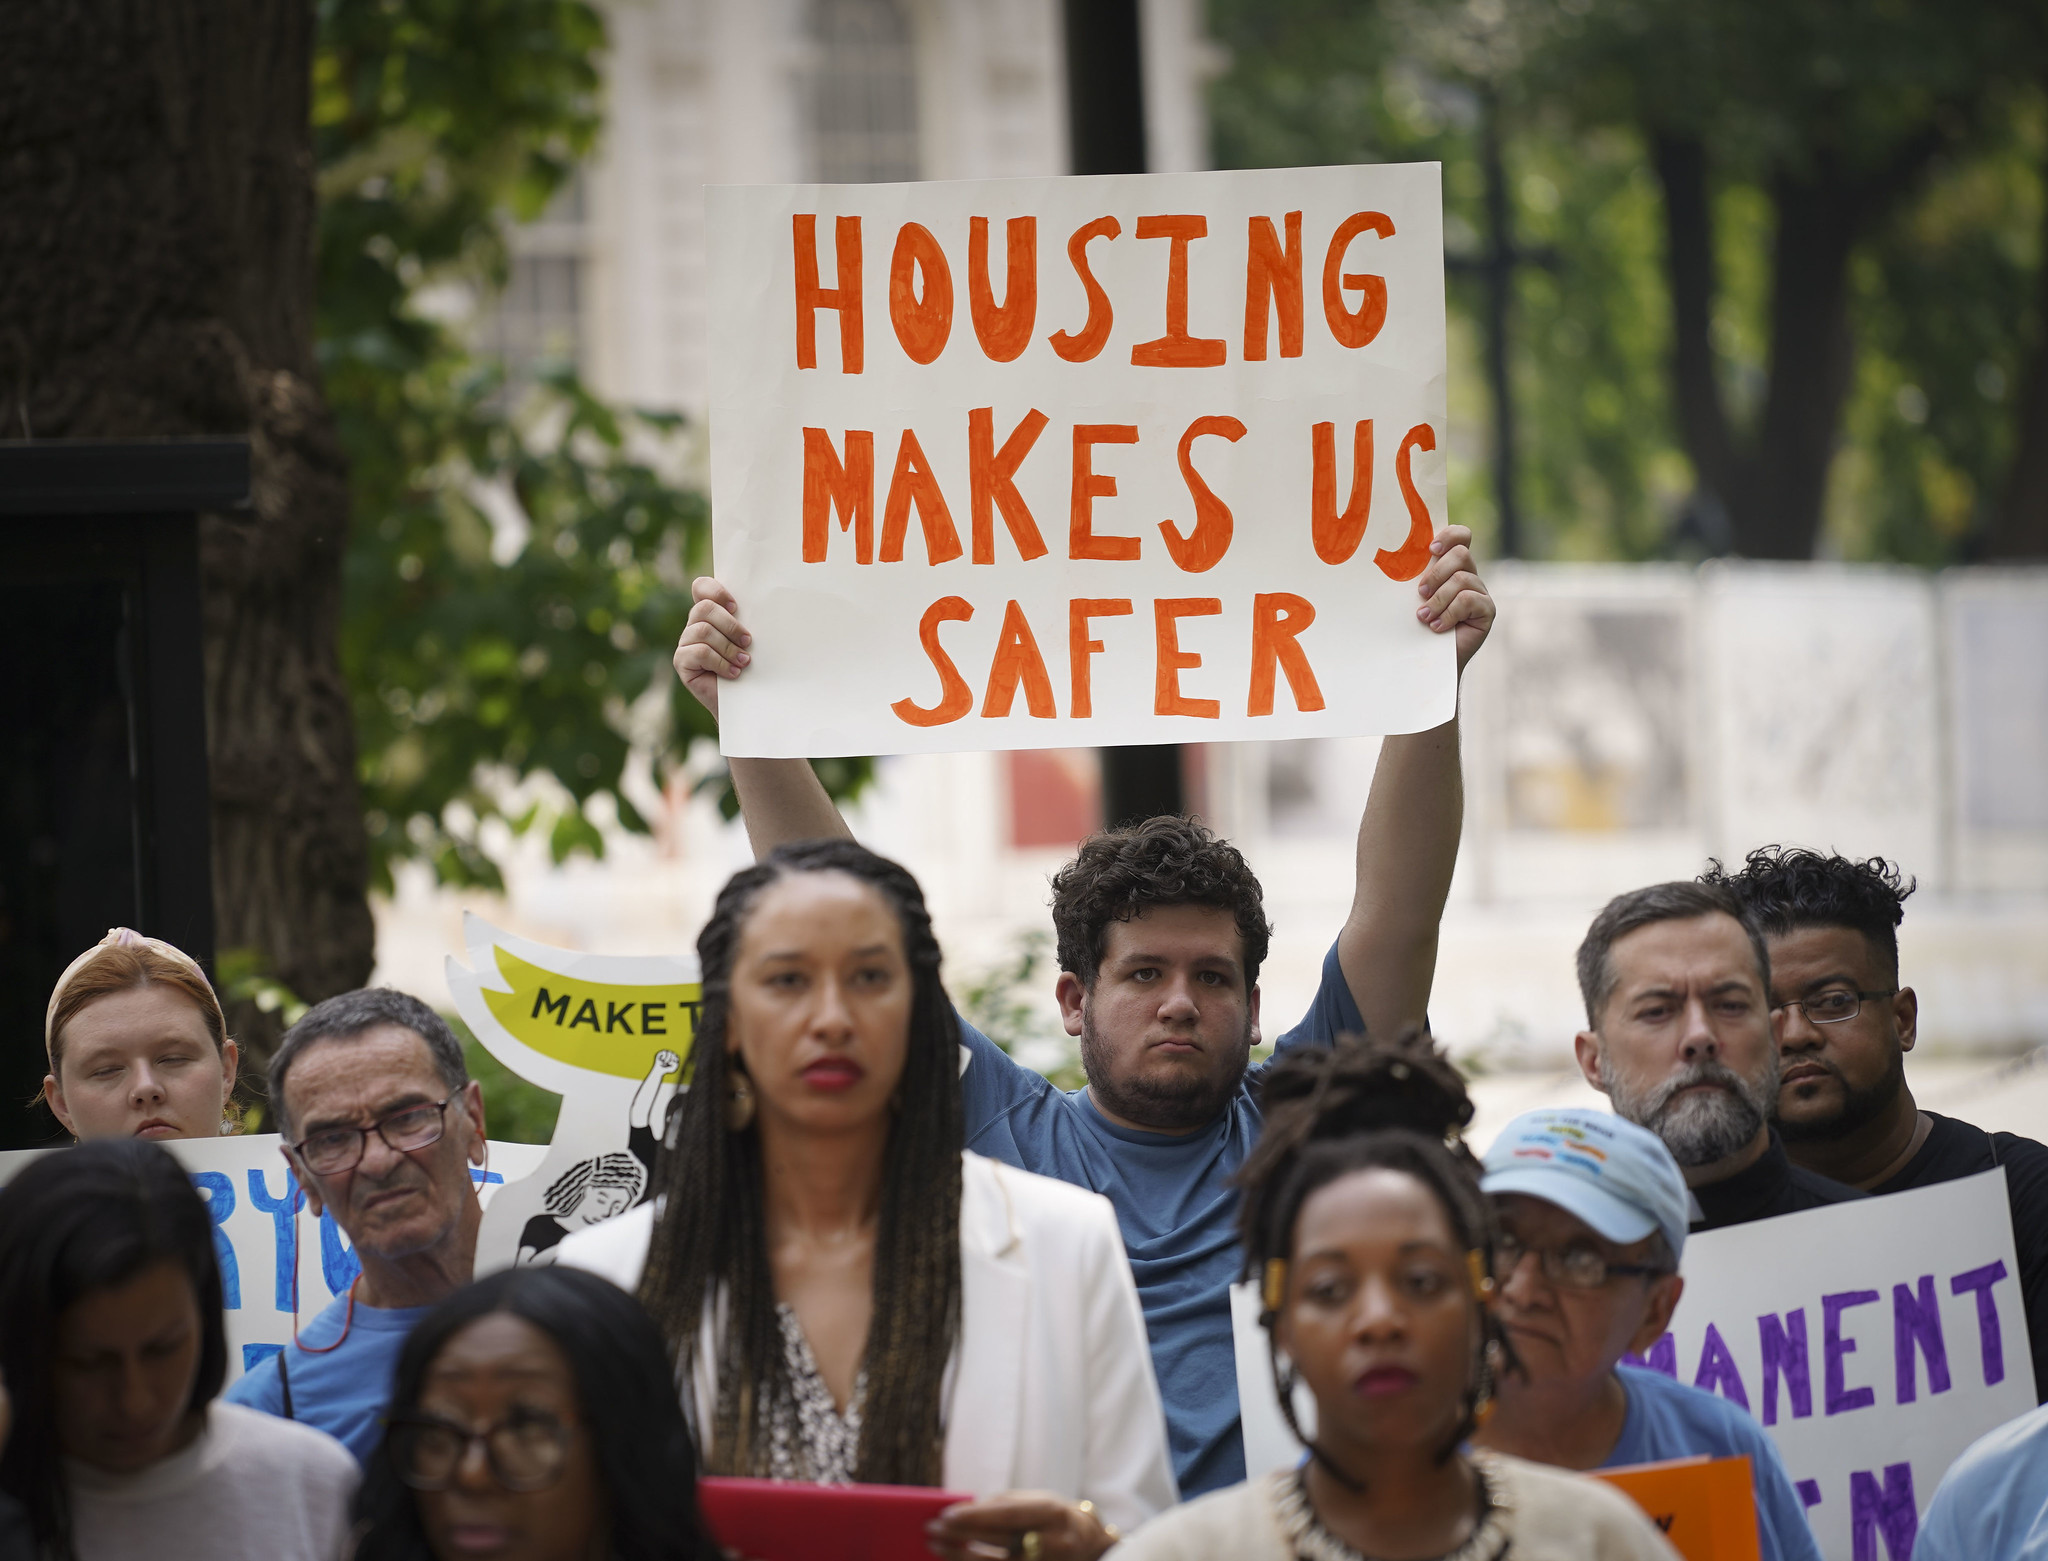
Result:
pixel 1311 1541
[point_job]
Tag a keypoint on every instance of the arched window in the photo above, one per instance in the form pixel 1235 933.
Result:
pixel 863 100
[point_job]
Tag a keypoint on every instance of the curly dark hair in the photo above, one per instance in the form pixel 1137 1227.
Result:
pixel 709 1255
pixel 1788 887
pixel 1356 1106
pixel 1168 860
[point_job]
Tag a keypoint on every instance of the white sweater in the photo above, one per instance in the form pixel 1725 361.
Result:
pixel 1549 1515
pixel 250 1488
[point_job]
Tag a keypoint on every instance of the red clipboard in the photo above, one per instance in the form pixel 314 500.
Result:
pixel 787 1520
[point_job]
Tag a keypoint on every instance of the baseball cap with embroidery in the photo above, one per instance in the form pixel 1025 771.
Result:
pixel 1617 1177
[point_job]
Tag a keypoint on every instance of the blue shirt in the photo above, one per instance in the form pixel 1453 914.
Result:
pixel 1667 1419
pixel 1993 1503
pixel 343 1392
pixel 1177 1205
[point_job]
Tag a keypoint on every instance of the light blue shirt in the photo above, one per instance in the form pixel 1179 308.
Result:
pixel 343 1391
pixel 1667 1419
pixel 1176 1198
pixel 1993 1503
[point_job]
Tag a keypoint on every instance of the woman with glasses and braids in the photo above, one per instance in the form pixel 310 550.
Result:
pixel 847 1295
pixel 1365 1227
pixel 533 1420
pixel 113 1347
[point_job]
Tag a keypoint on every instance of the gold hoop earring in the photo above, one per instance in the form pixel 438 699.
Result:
pixel 739 1103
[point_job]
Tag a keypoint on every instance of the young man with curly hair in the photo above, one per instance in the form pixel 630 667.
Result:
pixel 1161 931
pixel 1844 1025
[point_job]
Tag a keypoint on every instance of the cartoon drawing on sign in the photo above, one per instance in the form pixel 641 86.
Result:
pixel 594 1190
pixel 611 1035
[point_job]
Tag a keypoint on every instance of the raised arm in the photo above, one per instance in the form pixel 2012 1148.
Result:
pixel 780 799
pixel 1408 838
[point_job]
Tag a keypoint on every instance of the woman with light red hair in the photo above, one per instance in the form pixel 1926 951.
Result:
pixel 138 1044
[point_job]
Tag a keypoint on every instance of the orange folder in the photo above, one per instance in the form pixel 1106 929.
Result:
pixel 1705 1506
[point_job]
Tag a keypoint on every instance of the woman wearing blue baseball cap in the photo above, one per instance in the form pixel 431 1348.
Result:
pixel 1593 1213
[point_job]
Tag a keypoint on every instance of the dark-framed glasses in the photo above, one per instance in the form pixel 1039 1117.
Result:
pixel 526 1450
pixel 336 1149
pixel 1833 1005
pixel 1575 1267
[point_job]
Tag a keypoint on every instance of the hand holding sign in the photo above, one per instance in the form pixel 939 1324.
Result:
pixel 714 644
pixel 1453 595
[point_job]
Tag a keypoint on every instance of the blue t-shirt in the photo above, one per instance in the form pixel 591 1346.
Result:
pixel 1177 1204
pixel 344 1391
pixel 1667 1419
pixel 1993 1503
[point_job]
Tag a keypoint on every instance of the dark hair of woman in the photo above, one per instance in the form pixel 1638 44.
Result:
pixel 1364 1105
pixel 710 1246
pixel 641 1443
pixel 73 1222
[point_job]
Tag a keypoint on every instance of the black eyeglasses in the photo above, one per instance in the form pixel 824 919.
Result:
pixel 1833 1006
pixel 526 1451
pixel 336 1149
pixel 1576 1267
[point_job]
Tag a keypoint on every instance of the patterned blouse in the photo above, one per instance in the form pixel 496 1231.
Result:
pixel 810 1439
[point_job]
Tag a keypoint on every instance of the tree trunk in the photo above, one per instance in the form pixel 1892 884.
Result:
pixel 1771 484
pixel 1786 481
pixel 156 278
pixel 2021 529
pixel 1681 163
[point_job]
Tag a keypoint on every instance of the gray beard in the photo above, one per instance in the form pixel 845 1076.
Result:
pixel 1164 1106
pixel 1705 1127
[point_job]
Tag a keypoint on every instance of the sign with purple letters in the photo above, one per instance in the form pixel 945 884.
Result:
pixel 1874 1340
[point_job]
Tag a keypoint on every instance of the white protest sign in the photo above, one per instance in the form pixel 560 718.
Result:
pixel 1874 1340
pixel 262 1232
pixel 608 1033
pixel 1057 462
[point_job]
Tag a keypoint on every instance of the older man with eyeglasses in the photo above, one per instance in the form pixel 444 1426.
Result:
pixel 381 1123
pixel 1593 1215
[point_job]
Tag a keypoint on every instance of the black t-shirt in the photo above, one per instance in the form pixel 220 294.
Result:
pixel 1957 1149
pixel 1772 1186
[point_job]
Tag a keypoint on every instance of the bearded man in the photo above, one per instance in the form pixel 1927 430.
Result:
pixel 1677 984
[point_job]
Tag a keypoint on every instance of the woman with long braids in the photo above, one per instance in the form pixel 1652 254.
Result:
pixel 847 1295
pixel 1364 1224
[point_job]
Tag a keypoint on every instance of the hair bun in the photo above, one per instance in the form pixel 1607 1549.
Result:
pixel 1359 1085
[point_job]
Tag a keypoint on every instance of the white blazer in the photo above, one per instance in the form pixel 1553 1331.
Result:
pixel 1050 1386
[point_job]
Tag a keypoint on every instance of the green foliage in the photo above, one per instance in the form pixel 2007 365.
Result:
pixel 1777 89
pixel 520 557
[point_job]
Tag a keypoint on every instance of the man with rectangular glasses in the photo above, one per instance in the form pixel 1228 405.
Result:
pixel 1593 1214
pixel 381 1123
pixel 1844 1025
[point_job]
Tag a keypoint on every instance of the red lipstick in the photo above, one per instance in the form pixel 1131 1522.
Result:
pixel 833 1074
pixel 1384 1381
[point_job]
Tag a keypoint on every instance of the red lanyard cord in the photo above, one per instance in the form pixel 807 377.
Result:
pixel 348 1315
